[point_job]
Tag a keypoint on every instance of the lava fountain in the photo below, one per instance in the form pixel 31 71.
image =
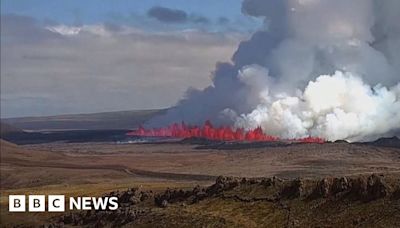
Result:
pixel 223 133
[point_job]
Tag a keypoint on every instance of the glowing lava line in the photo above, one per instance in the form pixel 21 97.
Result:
pixel 208 131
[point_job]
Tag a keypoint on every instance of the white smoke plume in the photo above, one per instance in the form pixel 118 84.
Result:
pixel 317 68
pixel 334 107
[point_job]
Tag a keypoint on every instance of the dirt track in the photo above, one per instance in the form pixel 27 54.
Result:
pixel 119 168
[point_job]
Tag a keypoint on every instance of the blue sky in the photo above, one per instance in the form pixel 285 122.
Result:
pixel 131 12
pixel 82 56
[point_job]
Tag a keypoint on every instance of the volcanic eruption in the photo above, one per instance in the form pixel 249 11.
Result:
pixel 208 131
pixel 317 68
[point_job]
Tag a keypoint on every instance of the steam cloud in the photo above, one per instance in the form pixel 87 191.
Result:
pixel 316 68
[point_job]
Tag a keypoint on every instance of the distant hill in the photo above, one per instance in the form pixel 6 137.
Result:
pixel 387 142
pixel 6 144
pixel 92 121
pixel 7 128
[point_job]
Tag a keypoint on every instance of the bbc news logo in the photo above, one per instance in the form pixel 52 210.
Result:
pixel 56 203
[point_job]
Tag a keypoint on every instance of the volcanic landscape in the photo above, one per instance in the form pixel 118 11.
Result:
pixel 151 165
pixel 297 126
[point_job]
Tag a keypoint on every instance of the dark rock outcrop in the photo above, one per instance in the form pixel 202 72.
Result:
pixel 340 185
pixel 132 196
pixel 323 188
pixel 294 189
pixel 134 202
pixel 222 184
pixel 196 194
pixel 363 188
pixel 376 187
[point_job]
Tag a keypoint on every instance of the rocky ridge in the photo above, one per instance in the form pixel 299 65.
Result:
pixel 135 202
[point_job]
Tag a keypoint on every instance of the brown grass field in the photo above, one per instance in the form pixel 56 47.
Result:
pixel 94 169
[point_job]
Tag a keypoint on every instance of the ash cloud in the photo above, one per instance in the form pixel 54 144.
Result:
pixel 167 15
pixel 316 67
pixel 175 16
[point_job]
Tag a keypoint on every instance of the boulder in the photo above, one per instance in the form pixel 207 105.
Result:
pixel 164 204
pixel 340 185
pixel 323 188
pixel 294 189
pixel 371 188
pixel 376 187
